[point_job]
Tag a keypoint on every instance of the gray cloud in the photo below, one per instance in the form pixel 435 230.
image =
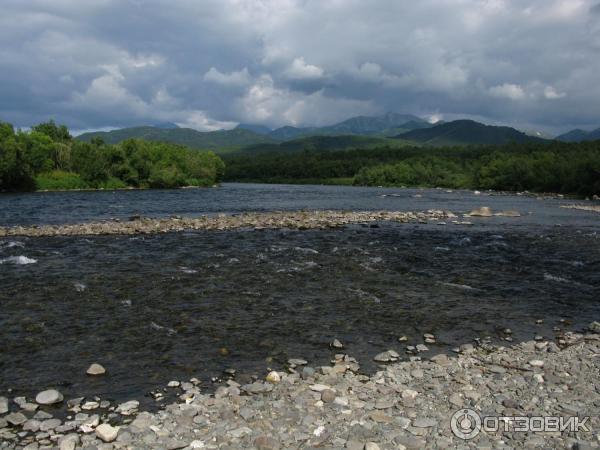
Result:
pixel 210 64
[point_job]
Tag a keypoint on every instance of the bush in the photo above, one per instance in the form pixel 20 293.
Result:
pixel 59 180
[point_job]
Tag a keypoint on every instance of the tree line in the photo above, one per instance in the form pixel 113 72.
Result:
pixel 570 168
pixel 47 157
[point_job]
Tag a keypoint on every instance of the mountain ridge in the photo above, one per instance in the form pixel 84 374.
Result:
pixel 467 132
pixel 579 135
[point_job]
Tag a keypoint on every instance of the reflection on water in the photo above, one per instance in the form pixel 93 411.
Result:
pixel 155 308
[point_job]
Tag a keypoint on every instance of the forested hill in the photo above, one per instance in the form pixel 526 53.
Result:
pixel 322 144
pixel 466 132
pixel 222 140
pixel 47 157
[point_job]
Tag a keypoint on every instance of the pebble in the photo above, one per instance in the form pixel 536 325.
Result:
pixel 404 405
pixel 536 363
pixel 95 369
pixel 3 405
pixel 49 397
pixel 173 384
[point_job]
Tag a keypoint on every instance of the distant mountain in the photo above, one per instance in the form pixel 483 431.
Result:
pixel 389 124
pixel 258 129
pixel 579 135
pixel 221 140
pixel 288 132
pixel 366 125
pixel 165 125
pixel 466 132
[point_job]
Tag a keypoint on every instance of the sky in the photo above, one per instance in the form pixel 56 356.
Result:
pixel 210 64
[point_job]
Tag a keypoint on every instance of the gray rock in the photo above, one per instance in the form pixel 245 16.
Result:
pixel 424 423
pixel 3 405
pixel 327 395
pixel 107 432
pixel 594 326
pixel 387 356
pixel 49 397
pixel 49 424
pixel 68 442
pixel 297 362
pixel 337 344
pixel 32 425
pixel 266 443
pixel 128 408
pixel 16 418
pixel 257 388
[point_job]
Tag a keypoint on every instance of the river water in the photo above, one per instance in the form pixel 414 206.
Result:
pixel 160 307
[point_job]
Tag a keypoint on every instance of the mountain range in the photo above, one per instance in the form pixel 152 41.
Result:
pixel 391 129
pixel 244 135
pixel 466 132
pixel 578 135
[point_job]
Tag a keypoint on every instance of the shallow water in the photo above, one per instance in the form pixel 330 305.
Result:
pixel 161 307
pixel 75 207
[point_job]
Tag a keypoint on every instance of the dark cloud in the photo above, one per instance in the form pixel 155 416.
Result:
pixel 210 64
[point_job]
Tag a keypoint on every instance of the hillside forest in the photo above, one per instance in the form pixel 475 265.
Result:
pixel 48 158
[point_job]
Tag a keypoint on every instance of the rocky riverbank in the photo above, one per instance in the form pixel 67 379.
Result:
pixel 289 219
pixel 406 404
pixel 593 208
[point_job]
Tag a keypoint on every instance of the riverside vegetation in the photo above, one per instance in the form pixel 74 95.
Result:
pixel 48 157
pixel 568 168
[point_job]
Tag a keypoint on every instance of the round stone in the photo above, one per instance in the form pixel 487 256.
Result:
pixel 327 395
pixel 49 397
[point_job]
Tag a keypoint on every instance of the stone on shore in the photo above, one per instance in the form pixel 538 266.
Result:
pixel 337 344
pixel 96 369
pixel 387 356
pixel 107 432
pixel 49 397
pixel 484 211
pixel 3 405
pixel 594 326
pixel 16 418
pixel 128 408
pixel 273 377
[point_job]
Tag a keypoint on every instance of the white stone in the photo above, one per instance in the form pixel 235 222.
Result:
pixel 536 363
pixel 96 369
pixel 106 432
pixel 173 384
pixel 319 387
pixel 49 397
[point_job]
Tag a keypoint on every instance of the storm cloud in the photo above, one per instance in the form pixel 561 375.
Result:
pixel 213 63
